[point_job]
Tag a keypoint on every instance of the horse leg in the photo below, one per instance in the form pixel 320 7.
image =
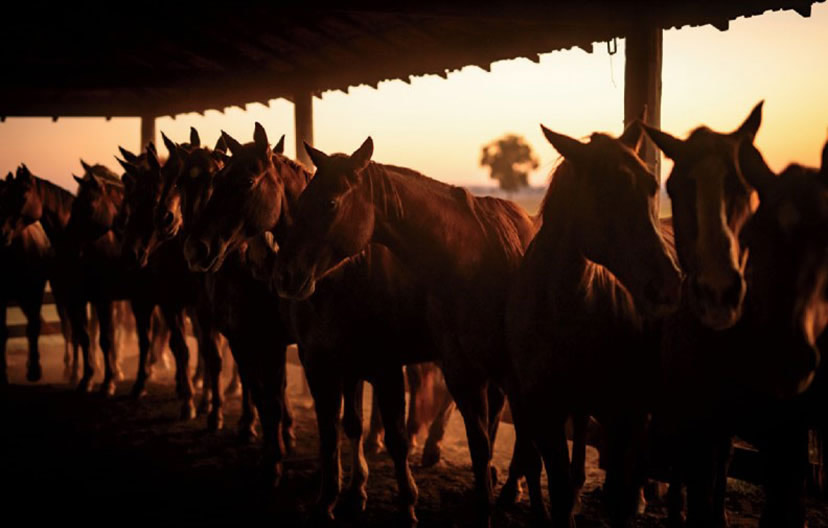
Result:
pixel 701 469
pixel 625 442
pixel 174 317
pixel 391 391
pixel 143 315
pixel 471 396
pixel 4 337
pixel 118 319
pixel 94 332
pixel 31 309
pixel 208 349
pixel 80 337
pixel 247 422
pixel 326 389
pixel 437 431
pixel 234 387
pixel 551 441
pixel 356 496
pixel 376 432
pixel 786 467
pixel 288 434
pixel 497 400
pixel 579 432
pixel 526 462
pixel 414 375
pixel 70 372
pixel 104 309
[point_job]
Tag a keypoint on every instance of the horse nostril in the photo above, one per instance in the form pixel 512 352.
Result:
pixel 167 219
pixel 732 295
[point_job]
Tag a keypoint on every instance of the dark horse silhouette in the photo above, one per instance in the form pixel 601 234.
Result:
pixel 462 248
pixel 34 214
pixel 597 262
pixel 26 259
pixel 166 280
pixel 239 305
pixel 714 378
pixel 365 322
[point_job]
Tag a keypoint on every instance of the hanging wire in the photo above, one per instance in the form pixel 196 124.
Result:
pixel 612 49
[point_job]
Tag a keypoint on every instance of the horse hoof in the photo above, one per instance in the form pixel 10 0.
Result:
pixel 323 515
pixel 118 375
pixel 85 384
pixel 215 421
pixel 509 494
pixel 34 373
pixel 205 407
pixel 247 432
pixel 409 516
pixel 290 440
pixel 188 411
pixel 108 388
pixel 356 500
pixel 431 456
pixel 374 446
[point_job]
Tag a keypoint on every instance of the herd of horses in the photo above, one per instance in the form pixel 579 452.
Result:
pixel 673 334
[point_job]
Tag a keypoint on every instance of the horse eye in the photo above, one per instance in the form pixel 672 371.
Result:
pixel 251 182
pixel 332 205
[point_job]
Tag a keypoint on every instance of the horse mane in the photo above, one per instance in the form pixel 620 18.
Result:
pixel 106 174
pixel 295 166
pixel 560 173
pixel 498 219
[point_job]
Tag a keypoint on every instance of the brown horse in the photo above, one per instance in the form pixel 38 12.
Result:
pixel 786 312
pixel 241 308
pixel 168 282
pixel 33 216
pixel 345 335
pixel 710 371
pixel 597 262
pixel 464 250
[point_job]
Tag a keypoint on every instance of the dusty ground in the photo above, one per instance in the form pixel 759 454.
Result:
pixel 68 457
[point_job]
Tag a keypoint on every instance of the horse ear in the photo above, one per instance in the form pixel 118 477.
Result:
pixel 280 146
pixel 128 167
pixel 318 157
pixel 86 166
pixel 570 148
pixel 78 179
pixel 632 135
pixel 234 146
pixel 260 138
pixel 170 144
pixel 221 144
pixel 151 146
pixel 824 166
pixel 195 140
pixel 750 126
pixel 671 146
pixel 9 177
pixel 23 174
pixel 754 169
pixel 152 158
pixel 362 155
pixel 129 156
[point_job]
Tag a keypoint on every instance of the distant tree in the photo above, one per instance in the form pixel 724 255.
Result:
pixel 510 160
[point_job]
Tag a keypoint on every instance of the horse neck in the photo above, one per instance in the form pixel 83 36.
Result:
pixel 57 208
pixel 294 178
pixel 413 213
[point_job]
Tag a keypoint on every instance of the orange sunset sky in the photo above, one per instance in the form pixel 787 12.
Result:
pixel 437 126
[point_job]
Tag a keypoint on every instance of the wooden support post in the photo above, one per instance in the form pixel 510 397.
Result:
pixel 147 131
pixel 642 84
pixel 303 115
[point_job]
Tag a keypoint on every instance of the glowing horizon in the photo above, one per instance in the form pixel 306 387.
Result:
pixel 437 126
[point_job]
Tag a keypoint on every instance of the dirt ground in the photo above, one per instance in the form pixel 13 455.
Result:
pixel 69 457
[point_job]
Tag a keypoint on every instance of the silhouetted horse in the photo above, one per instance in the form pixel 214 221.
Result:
pixel 713 379
pixel 786 312
pixel 33 215
pixel 166 280
pixel 576 323
pixel 241 307
pixel 364 323
pixel 462 248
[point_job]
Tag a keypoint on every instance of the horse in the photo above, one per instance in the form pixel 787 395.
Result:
pixel 34 214
pixel 369 308
pixel 709 372
pixel 597 261
pixel 168 282
pixel 463 249
pixel 241 308
pixel 786 312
